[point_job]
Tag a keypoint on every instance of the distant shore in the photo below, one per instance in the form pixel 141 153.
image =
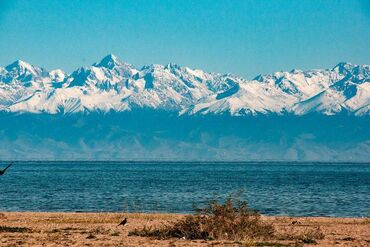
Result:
pixel 101 229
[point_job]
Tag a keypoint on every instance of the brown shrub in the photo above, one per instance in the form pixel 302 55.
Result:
pixel 232 220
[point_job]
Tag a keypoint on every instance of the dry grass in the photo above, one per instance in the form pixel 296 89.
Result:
pixel 306 235
pixel 14 229
pixel 74 229
pixel 232 220
pixel 274 244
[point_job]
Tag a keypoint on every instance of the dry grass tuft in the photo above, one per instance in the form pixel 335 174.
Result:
pixel 232 220
pixel 348 239
pixel 91 236
pixel 14 229
pixel 274 244
pixel 307 235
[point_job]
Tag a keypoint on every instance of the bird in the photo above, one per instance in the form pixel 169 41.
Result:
pixel 3 171
pixel 123 222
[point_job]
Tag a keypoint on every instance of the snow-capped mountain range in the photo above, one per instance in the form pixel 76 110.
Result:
pixel 113 85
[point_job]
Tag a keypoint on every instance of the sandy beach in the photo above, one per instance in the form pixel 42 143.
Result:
pixel 101 229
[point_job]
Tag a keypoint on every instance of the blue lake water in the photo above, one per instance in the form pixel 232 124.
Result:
pixel 296 189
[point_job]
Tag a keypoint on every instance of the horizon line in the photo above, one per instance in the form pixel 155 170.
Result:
pixel 193 161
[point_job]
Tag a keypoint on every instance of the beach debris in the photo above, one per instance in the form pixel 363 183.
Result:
pixel 348 239
pixel 123 222
pixel 3 171
pixel 296 222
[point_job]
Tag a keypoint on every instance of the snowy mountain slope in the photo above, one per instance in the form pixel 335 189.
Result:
pixel 351 93
pixel 112 85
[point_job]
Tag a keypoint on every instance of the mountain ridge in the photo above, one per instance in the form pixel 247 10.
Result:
pixel 113 85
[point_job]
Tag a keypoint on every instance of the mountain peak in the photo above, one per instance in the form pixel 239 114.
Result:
pixel 110 61
pixel 21 67
pixel 18 64
pixel 343 67
pixel 295 71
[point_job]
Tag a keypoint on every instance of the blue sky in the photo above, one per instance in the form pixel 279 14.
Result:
pixel 244 37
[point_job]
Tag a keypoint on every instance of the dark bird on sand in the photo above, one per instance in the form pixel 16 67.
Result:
pixel 123 222
pixel 3 171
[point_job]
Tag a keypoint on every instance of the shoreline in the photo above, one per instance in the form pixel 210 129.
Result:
pixel 176 214
pixel 101 229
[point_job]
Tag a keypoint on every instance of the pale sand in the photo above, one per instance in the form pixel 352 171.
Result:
pixel 100 229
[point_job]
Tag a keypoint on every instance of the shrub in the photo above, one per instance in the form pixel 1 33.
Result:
pixel 232 220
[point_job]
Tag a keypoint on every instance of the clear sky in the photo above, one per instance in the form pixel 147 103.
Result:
pixel 244 37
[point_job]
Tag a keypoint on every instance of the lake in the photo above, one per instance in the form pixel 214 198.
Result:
pixel 273 188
